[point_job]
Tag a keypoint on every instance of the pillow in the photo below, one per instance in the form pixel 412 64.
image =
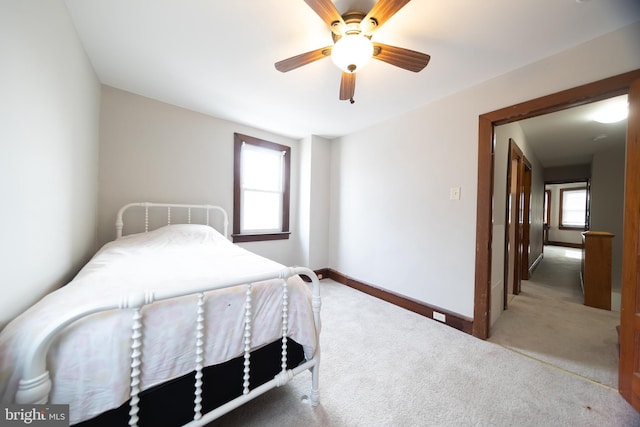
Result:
pixel 174 234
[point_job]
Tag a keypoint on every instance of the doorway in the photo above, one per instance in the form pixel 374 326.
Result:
pixel 617 85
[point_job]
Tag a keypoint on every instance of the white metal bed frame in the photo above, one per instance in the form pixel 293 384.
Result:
pixel 168 206
pixel 35 384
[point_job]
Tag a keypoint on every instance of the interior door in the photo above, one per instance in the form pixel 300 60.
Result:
pixel 517 220
pixel 511 273
pixel 629 366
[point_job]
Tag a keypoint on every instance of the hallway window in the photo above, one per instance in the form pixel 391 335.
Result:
pixel 547 207
pixel 573 208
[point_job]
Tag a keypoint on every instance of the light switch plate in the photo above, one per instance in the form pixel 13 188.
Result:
pixel 454 193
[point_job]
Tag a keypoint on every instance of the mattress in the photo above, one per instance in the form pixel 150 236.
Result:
pixel 171 403
pixel 89 362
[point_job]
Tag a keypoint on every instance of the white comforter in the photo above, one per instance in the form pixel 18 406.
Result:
pixel 89 362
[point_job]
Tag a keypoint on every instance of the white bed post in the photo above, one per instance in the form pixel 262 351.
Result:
pixel 119 225
pixel 315 371
pixel 197 402
pixel 285 374
pixel 34 390
pixel 247 340
pixel 285 323
pixel 136 355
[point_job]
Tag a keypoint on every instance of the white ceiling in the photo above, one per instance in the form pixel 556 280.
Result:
pixel 571 137
pixel 216 57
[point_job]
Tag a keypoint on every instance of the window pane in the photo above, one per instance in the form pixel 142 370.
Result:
pixel 574 203
pixel 261 189
pixel 546 207
pixel 261 211
pixel 261 169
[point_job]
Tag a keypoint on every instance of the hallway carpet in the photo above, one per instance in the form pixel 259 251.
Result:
pixel 548 322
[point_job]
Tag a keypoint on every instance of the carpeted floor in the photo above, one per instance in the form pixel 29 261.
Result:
pixel 386 366
pixel 548 322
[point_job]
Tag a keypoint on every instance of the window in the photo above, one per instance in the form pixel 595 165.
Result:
pixel 547 207
pixel 261 190
pixel 573 208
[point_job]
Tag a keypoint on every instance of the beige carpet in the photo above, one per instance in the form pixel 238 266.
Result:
pixel 386 366
pixel 547 321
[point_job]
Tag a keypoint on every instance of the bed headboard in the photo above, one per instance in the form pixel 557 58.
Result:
pixel 202 212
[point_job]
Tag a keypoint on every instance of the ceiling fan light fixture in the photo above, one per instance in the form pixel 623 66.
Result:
pixel 615 111
pixel 352 52
pixel 352 48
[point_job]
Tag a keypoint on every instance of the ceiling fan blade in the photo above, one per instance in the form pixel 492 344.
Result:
pixel 347 86
pixel 380 13
pixel 302 59
pixel 329 14
pixel 401 57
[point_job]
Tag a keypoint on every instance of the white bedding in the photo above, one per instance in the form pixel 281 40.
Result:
pixel 89 363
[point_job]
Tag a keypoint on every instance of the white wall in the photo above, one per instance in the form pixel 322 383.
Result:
pixel 392 223
pixel 607 208
pixel 156 152
pixel 314 201
pixel 49 112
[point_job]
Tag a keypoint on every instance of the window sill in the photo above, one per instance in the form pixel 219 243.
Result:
pixel 564 227
pixel 260 237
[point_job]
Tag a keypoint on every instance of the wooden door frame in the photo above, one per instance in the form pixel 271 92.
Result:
pixel 596 91
pixel 628 366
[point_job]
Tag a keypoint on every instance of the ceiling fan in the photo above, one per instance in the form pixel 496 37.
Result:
pixel 352 46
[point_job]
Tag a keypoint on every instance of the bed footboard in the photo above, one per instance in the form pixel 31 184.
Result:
pixel 35 385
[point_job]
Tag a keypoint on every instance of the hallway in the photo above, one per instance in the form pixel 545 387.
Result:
pixel 548 322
